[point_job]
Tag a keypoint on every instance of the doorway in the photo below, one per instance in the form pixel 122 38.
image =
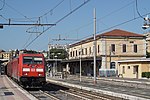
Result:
pixel 136 70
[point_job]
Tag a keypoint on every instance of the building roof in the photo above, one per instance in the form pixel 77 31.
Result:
pixel 114 33
pixel 118 32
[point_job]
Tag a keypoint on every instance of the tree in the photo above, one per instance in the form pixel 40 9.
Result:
pixel 60 53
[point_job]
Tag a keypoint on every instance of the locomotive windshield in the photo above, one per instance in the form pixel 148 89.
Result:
pixel 32 60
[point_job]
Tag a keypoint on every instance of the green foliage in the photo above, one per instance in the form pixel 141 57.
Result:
pixel 58 53
pixel 147 54
pixel 146 74
pixel 143 74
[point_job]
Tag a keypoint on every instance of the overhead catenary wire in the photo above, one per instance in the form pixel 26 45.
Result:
pixel 28 19
pixel 114 26
pixel 54 8
pixel 119 24
pixel 16 10
pixel 51 11
pixel 28 40
pixel 99 19
pixel 138 10
pixel 85 2
pixel 40 17
pixel 28 30
pixel 2 5
pixel 72 11
pixel 4 17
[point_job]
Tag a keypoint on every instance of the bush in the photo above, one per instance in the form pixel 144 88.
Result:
pixel 143 74
pixel 146 74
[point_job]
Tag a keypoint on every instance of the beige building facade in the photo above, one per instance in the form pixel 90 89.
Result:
pixel 110 47
pixel 133 68
pixel 5 55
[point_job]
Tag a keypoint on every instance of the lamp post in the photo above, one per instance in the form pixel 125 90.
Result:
pixel 53 63
pixel 56 64
pixel 56 56
pixel 94 46
pixel 80 64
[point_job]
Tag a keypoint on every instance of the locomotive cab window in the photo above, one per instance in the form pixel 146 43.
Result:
pixel 27 60
pixel 37 60
pixel 32 60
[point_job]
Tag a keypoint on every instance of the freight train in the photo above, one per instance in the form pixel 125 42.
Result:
pixel 28 69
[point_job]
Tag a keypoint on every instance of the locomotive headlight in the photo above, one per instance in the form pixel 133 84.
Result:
pixel 39 70
pixel 26 74
pixel 26 69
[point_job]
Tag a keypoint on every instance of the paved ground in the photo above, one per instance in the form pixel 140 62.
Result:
pixel 10 91
pixel 132 89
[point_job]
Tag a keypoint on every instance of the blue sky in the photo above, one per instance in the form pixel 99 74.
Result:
pixel 78 25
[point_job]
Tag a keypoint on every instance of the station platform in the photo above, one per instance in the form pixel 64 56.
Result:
pixel 11 91
pixel 130 89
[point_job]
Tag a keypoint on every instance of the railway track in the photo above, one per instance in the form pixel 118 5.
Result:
pixel 41 95
pixel 55 92
pixel 86 95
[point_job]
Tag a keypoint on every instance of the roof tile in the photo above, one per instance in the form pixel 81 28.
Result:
pixel 118 32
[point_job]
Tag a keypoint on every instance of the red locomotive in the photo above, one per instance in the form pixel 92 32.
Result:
pixel 28 69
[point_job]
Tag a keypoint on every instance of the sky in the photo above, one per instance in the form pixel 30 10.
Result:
pixel 73 19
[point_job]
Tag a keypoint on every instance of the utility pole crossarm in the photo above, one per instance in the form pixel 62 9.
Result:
pixel 3 24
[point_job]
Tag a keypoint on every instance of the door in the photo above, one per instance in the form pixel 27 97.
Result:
pixel 136 70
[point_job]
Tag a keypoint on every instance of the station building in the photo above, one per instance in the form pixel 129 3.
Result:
pixel 111 46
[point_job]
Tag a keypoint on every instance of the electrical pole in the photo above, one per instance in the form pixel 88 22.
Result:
pixel 49 48
pixel 80 63
pixel 110 56
pixel 94 46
